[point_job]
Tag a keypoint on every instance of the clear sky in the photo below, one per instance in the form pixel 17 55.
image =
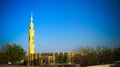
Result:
pixel 61 25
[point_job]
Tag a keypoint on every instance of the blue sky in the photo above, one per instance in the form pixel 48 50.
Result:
pixel 61 25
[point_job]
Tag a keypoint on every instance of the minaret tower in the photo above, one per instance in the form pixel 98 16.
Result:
pixel 31 36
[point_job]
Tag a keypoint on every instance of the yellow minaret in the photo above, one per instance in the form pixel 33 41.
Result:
pixel 31 36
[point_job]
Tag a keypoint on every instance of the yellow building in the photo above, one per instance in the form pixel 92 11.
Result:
pixel 31 36
pixel 31 41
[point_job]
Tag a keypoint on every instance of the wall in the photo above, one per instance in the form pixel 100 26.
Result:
pixel 107 65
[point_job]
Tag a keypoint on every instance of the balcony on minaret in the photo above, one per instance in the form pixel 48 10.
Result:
pixel 31 25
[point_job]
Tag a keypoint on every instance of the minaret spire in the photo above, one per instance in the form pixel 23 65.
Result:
pixel 31 18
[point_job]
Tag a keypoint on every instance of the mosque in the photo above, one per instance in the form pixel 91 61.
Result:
pixel 38 59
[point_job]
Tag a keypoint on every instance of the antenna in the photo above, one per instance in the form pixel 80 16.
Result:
pixel 31 18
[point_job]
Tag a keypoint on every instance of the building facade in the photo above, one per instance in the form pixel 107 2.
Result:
pixel 38 59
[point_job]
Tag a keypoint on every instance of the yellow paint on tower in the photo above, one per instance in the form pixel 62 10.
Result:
pixel 31 36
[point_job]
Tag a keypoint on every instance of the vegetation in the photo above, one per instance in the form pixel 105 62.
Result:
pixel 84 56
pixel 11 53
pixel 99 55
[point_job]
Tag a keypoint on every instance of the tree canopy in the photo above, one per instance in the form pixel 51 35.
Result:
pixel 11 53
pixel 98 55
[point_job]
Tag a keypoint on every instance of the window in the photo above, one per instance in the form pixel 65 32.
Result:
pixel 33 38
pixel 29 37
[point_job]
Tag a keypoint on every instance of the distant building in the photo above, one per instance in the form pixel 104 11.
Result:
pixel 38 59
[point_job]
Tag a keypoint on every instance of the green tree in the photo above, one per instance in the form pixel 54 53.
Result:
pixel 116 54
pixel 104 55
pixel 83 56
pixel 12 53
pixel 93 56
